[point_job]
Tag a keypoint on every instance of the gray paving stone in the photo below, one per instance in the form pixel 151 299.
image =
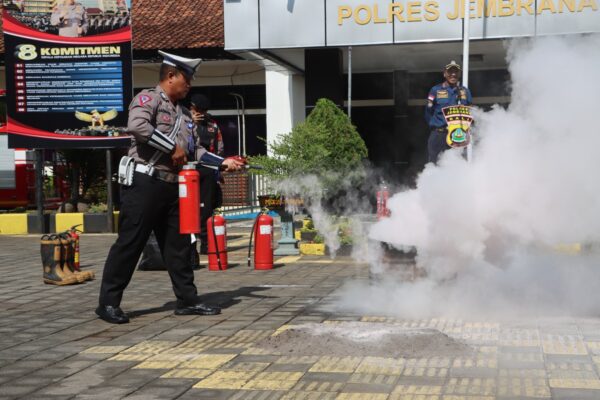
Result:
pixel 575 394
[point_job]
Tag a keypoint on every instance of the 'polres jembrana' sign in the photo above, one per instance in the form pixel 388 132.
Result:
pixel 68 71
pixel 293 23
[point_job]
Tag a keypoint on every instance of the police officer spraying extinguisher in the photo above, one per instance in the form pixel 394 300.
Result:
pixel 448 93
pixel 163 140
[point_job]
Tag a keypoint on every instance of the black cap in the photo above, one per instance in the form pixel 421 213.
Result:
pixel 200 101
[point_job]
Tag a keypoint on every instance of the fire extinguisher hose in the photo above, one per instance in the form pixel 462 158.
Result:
pixel 251 235
pixel 216 243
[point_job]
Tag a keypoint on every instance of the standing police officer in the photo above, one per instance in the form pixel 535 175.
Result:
pixel 448 93
pixel 163 139
pixel 210 138
pixel 71 19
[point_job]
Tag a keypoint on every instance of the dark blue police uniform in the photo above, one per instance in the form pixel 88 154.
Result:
pixel 441 96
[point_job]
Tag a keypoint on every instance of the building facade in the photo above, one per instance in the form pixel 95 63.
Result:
pixel 396 49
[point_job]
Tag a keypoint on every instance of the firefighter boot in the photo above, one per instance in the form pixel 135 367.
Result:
pixel 88 275
pixel 65 242
pixel 51 250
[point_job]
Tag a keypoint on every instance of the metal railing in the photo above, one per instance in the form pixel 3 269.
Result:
pixel 243 190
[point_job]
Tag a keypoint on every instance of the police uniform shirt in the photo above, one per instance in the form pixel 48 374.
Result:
pixel 69 18
pixel 152 117
pixel 210 136
pixel 441 96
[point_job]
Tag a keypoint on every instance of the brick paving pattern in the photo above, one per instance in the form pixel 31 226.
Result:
pixel 52 346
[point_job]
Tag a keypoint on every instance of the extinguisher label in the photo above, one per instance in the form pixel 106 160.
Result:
pixel 182 191
pixel 219 230
pixel 265 229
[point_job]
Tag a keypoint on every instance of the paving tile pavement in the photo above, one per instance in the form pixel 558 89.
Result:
pixel 52 346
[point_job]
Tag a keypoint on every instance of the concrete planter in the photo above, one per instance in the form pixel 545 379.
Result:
pixel 312 249
pixel 95 222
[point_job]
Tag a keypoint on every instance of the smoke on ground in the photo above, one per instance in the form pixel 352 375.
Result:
pixel 486 231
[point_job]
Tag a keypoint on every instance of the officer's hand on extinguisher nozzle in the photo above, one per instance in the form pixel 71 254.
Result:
pixel 231 164
pixel 178 156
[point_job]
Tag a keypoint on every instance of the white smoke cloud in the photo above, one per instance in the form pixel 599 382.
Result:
pixel 484 230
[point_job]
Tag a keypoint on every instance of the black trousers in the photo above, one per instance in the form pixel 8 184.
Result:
pixel 211 197
pixel 148 205
pixel 436 144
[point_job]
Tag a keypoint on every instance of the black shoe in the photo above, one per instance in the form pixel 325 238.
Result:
pixel 111 314
pixel 198 309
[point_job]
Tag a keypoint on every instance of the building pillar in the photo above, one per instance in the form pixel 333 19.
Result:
pixel 285 102
pixel 402 129
pixel 323 70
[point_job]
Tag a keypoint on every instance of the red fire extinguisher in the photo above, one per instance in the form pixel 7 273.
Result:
pixel 74 232
pixel 383 195
pixel 217 242
pixel 263 241
pixel 189 200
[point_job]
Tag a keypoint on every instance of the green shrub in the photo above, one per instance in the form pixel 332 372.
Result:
pixel 326 145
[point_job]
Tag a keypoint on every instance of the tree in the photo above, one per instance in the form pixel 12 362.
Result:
pixel 326 145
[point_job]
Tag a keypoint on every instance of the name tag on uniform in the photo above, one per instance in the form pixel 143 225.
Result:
pixel 442 94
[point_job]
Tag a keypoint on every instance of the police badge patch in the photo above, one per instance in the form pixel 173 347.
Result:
pixel 144 99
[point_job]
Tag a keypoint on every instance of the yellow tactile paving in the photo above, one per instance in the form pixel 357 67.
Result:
pixel 254 351
pixel 319 386
pixel 362 396
pixel 336 364
pixel 168 356
pixel 104 349
pixel 479 362
pixel 559 367
pixel 520 338
pixel 574 383
pixel 522 373
pixel 436 362
pixel 208 361
pixel 417 390
pixel 150 347
pixel 396 396
pixel 279 375
pixel 299 395
pixel 202 342
pixel 528 357
pixel 425 372
pixel 130 357
pixel 263 384
pixel 380 365
pixel 233 380
pixel 187 373
pixel 567 345
pixel 529 387
pixel 471 386
pixel 373 379
pixel 157 365
pixel 245 366
pixel 297 360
